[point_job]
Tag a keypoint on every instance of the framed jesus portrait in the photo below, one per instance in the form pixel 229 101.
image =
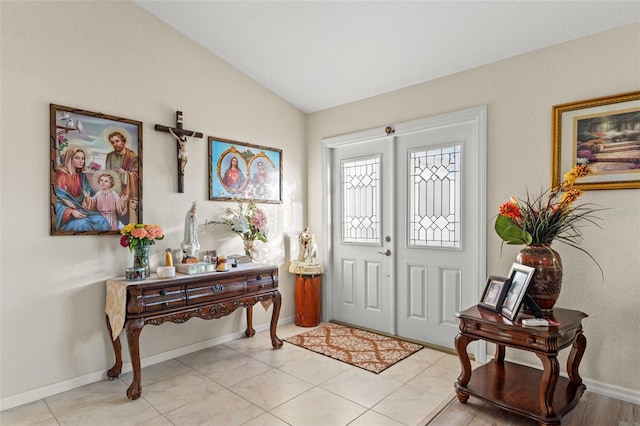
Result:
pixel 95 172
pixel 241 171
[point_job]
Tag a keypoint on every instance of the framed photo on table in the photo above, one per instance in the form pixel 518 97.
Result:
pixel 95 172
pixel 519 278
pixel 603 133
pixel 241 171
pixel 494 293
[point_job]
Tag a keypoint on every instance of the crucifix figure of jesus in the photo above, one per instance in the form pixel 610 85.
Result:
pixel 182 136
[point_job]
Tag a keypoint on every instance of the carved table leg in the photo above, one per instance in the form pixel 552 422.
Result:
pixel 133 328
pixel 499 356
pixel 548 383
pixel 462 341
pixel 250 332
pixel 277 302
pixel 575 357
pixel 114 371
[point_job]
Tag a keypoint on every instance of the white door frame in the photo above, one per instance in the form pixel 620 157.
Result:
pixel 478 115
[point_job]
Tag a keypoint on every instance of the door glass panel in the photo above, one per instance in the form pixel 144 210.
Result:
pixel 361 200
pixel 434 197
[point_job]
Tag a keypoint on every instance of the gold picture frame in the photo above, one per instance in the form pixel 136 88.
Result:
pixel 243 171
pixel 602 132
pixel 95 172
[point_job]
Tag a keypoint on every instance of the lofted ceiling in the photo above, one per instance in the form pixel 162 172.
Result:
pixel 320 54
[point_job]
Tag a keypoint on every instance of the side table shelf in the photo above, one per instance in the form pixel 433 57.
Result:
pixel 541 395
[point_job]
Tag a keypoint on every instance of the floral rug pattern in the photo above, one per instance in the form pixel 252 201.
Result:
pixel 369 351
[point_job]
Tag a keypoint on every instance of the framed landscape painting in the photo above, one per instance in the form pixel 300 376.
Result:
pixel 241 171
pixel 95 172
pixel 603 133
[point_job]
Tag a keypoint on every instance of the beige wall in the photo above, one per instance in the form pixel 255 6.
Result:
pixel 115 58
pixel 519 94
pixel 96 56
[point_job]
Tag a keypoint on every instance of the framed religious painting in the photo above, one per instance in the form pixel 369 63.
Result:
pixel 95 170
pixel 603 133
pixel 241 171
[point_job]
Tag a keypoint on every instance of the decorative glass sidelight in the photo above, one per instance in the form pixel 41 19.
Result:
pixel 434 197
pixel 361 200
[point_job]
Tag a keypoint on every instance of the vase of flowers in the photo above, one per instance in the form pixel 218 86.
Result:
pixel 250 222
pixel 139 238
pixel 537 223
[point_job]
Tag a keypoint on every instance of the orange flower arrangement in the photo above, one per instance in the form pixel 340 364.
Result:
pixel 139 234
pixel 551 216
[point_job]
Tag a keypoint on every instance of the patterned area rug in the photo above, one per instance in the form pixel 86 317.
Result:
pixel 369 351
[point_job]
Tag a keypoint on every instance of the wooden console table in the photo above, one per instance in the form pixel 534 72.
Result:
pixel 539 395
pixel 134 304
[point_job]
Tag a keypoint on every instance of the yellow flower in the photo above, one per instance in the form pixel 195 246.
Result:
pixel 570 177
pixel 127 229
pixel 569 197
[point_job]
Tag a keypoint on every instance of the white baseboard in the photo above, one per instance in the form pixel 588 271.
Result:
pixel 613 391
pixel 76 382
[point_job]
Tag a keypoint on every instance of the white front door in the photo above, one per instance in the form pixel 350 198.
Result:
pixel 439 266
pixel 363 292
pixel 408 225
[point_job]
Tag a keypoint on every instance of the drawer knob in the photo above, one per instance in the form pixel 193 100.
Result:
pixel 165 304
pixel 531 340
pixel 217 288
pixel 259 277
pixel 163 292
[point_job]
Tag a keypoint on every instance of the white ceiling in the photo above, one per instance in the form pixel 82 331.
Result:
pixel 320 54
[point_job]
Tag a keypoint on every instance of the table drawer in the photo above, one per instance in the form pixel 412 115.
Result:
pixel 512 337
pixel 258 282
pixel 205 292
pixel 163 298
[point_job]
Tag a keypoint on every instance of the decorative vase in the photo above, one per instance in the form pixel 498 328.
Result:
pixel 546 282
pixel 141 258
pixel 250 249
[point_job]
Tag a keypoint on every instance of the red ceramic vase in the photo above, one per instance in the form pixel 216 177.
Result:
pixel 546 282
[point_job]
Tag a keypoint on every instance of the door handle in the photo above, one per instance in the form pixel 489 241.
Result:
pixel 387 252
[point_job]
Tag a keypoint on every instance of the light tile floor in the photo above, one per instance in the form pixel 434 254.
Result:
pixel 246 382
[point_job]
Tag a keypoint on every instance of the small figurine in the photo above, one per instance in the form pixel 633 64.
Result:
pixel 307 260
pixel 190 245
pixel 304 239
pixel 168 258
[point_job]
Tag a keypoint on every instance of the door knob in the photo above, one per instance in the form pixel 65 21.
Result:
pixel 387 252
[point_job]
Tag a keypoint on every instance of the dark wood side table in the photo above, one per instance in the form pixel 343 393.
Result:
pixel 207 296
pixel 541 395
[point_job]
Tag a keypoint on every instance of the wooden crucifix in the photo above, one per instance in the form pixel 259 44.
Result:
pixel 181 136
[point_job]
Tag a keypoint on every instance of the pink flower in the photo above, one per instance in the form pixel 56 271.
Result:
pixel 139 233
pixel 153 232
pixel 259 219
pixel 124 241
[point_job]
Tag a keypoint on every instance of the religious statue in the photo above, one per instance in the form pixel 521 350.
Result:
pixel 190 244
pixel 182 136
pixel 304 239
pixel 307 260
pixel 182 151
pixel 312 251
